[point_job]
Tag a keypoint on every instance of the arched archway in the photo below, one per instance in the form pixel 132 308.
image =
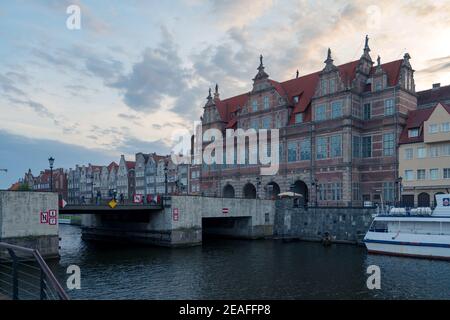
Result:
pixel 249 191
pixel 228 191
pixel 300 187
pixel 272 190
pixel 423 200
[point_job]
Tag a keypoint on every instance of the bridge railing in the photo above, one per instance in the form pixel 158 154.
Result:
pixel 24 275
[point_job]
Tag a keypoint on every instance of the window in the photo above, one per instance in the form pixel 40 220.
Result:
pixel 412 133
pixel 445 127
pixel 445 151
pixel 321 112
pixel 356 147
pixel 421 174
pixel 366 147
pixel 321 146
pixel 336 146
pixel 409 175
pixel 332 85
pixel 421 152
pixel 255 124
pixel 409 153
pixel 266 123
pixel 336 191
pixel 388 144
pixel 433 128
pixel 305 150
pixel 324 87
pixel 336 109
pixel 298 117
pixel 434 152
pixel 266 102
pixel 356 191
pixel 446 172
pixel 434 174
pixel 296 99
pixel 388 191
pixel 367 111
pixel 254 105
pixel 292 151
pixel 378 86
pixel 388 107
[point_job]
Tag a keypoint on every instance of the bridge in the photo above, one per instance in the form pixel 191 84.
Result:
pixel 105 208
pixel 179 221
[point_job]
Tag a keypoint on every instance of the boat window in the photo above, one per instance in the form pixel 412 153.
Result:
pixel 379 226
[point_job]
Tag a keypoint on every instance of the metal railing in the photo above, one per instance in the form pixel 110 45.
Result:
pixel 24 275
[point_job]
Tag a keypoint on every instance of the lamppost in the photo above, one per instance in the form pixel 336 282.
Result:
pixel 51 160
pixel 316 189
pixel 400 189
pixel 165 177
pixel 258 185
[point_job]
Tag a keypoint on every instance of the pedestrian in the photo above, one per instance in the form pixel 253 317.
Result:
pixel 121 198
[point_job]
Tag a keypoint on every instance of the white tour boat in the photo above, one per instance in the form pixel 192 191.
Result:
pixel 418 233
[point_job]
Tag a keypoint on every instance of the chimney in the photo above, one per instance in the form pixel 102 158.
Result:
pixel 436 86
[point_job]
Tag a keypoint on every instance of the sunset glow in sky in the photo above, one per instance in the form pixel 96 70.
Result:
pixel 138 70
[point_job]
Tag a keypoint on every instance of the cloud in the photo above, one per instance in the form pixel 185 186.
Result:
pixel 436 65
pixel 239 13
pixel 18 154
pixel 158 75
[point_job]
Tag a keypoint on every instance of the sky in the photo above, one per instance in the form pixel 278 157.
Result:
pixel 137 71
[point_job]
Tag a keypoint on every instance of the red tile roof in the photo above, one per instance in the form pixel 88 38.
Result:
pixel 304 87
pixel 130 164
pixel 112 165
pixel 14 187
pixel 441 94
pixel 416 118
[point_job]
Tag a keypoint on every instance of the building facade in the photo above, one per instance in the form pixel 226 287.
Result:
pixel 339 129
pixel 425 156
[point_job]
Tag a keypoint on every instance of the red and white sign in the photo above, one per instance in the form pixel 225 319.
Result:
pixel 52 213
pixel 53 221
pixel 63 203
pixel 44 217
pixel 138 198
pixel 175 214
pixel 225 210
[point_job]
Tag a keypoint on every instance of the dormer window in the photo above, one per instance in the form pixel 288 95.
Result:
pixel 413 133
pixel 296 99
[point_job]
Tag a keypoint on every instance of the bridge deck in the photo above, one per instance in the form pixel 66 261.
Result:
pixel 90 209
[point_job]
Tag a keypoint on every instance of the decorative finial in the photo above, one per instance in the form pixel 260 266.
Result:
pixel 209 97
pixel 297 74
pixel 379 61
pixel 217 88
pixel 329 53
pixel 366 46
pixel 406 56
pixel 261 60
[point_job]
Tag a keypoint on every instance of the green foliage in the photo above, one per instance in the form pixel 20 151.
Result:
pixel 24 187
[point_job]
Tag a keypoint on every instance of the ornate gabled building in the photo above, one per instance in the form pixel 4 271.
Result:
pixel 339 129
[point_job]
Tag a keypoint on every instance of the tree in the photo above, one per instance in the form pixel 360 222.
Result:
pixel 24 187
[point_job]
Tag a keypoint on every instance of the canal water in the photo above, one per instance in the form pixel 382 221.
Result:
pixel 235 269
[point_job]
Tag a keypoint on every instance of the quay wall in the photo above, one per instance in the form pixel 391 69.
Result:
pixel 20 221
pixel 343 224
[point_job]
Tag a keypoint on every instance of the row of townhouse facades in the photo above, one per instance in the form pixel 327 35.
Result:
pixel 41 183
pixel 146 175
pixel 339 133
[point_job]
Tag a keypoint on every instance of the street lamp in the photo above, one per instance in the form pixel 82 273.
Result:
pixel 165 177
pixel 316 189
pixel 400 189
pixel 258 184
pixel 51 160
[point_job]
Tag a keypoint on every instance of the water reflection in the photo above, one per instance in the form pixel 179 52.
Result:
pixel 234 269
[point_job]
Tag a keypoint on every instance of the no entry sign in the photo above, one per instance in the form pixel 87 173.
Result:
pixel 175 214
